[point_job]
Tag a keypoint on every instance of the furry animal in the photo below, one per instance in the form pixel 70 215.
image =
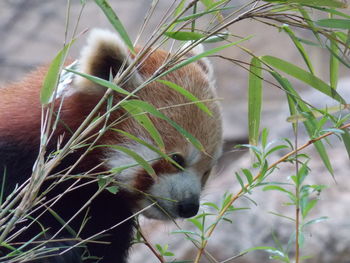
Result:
pixel 176 191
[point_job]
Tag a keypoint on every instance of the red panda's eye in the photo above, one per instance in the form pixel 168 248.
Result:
pixel 178 159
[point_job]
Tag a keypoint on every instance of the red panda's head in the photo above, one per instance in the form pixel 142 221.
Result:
pixel 176 191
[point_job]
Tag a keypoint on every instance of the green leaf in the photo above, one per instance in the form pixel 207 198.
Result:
pixel 330 3
pixel 310 123
pixel 309 205
pixel 201 55
pixel 102 82
pixel 281 189
pixel 264 136
pixel 303 75
pixel 300 47
pixel 211 205
pixel 276 148
pixel 248 175
pixel 207 3
pixel 184 35
pixel 221 36
pixel 187 94
pixel 196 223
pixel 270 250
pixel 153 111
pixel 331 11
pixel 139 115
pixel 310 23
pixel 145 165
pixel 317 113
pixel 151 147
pixel 239 179
pixel 115 22
pixel 316 220
pixel 254 100
pixel 334 23
pixel 113 189
pixel 101 182
pixel 334 62
pixel 53 75
pixel 199 14
pixel 346 140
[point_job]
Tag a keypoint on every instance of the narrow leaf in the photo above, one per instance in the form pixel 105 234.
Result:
pixel 201 55
pixel 53 75
pixel 153 111
pixel 102 82
pixel 346 140
pixel 151 147
pixel 310 123
pixel 254 100
pixel 187 94
pixel 334 23
pixel 184 36
pixel 303 75
pixel 300 47
pixel 115 22
pixel 139 115
pixel 330 3
pixel 318 113
pixel 145 165
pixel 334 63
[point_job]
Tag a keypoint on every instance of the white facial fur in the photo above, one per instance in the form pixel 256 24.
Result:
pixel 169 191
pixel 116 159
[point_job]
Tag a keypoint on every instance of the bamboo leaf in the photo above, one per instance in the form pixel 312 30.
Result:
pixel 207 3
pixel 346 139
pixel 310 124
pixel 202 55
pixel 140 116
pixel 187 94
pixel 102 82
pixel 317 113
pixel 183 35
pixel 303 75
pixel 153 111
pixel 53 75
pixel 310 23
pixel 115 22
pixel 300 47
pixel 140 141
pixel 334 63
pixel 138 158
pixel 334 23
pixel 199 14
pixel 254 100
pixel 329 3
pixel 331 11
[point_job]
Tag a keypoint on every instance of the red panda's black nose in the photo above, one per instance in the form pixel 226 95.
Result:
pixel 188 207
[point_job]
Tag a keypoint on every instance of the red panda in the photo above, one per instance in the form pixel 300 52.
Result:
pixel 175 191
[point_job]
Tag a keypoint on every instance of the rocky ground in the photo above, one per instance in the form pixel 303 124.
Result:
pixel 32 31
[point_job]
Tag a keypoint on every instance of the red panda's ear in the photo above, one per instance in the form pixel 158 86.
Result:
pixel 105 53
pixel 204 62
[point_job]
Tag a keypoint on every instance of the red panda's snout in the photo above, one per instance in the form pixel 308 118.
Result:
pixel 175 192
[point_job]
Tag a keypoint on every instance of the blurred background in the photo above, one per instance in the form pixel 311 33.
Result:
pixel 32 32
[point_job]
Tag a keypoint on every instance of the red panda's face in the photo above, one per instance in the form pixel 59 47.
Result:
pixel 176 192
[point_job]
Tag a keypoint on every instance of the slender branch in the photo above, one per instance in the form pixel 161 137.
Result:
pixel 154 251
pixel 235 197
